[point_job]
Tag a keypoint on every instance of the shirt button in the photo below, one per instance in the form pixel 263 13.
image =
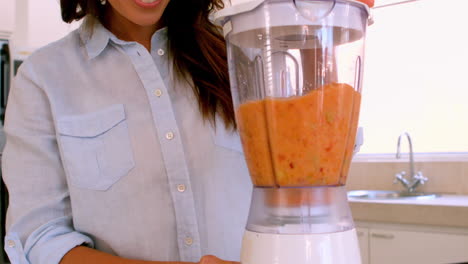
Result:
pixel 160 52
pixel 188 241
pixel 11 243
pixel 158 92
pixel 181 188
pixel 169 135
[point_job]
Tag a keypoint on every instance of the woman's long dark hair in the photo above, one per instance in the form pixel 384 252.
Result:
pixel 196 45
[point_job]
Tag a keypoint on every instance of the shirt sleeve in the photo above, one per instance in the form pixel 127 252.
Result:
pixel 39 218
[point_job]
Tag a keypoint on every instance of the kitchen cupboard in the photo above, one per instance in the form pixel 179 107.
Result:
pixel 401 245
pixel 7 19
pixel 363 237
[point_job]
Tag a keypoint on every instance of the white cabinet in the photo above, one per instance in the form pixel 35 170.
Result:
pixel 7 17
pixel 412 244
pixel 363 237
pixel 406 247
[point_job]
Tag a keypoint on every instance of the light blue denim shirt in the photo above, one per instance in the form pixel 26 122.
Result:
pixel 106 148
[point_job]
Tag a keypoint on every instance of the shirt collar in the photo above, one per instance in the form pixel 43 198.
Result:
pixel 97 39
pixel 94 39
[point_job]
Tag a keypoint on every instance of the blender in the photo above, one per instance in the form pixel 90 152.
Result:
pixel 296 69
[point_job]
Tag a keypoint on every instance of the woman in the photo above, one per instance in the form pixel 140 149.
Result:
pixel 120 138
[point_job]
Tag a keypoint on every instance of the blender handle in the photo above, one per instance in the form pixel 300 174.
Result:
pixel 296 70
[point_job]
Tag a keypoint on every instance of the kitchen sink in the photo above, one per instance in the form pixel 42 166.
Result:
pixel 376 194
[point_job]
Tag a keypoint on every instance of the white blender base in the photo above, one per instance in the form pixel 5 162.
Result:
pixel 331 248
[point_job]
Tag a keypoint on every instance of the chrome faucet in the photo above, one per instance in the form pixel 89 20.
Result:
pixel 416 178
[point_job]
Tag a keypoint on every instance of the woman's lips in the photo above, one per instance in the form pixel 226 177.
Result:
pixel 147 3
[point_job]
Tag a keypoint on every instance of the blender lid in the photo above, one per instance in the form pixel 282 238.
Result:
pixel 249 5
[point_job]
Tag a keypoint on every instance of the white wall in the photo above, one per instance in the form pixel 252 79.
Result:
pixel 20 35
pixel 38 22
pixel 7 9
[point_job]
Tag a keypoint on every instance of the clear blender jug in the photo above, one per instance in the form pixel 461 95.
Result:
pixel 296 69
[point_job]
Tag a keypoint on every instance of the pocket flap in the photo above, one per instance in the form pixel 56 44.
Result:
pixel 91 124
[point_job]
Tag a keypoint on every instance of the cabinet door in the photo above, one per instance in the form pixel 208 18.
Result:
pixel 404 247
pixel 363 237
pixel 7 10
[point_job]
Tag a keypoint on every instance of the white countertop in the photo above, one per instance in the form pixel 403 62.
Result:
pixel 447 210
pixel 443 200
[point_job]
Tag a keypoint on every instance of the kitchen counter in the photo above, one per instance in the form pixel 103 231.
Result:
pixel 447 210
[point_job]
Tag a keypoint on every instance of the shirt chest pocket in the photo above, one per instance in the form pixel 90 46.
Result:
pixel 96 148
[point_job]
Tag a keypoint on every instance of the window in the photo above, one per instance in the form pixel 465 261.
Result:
pixel 416 77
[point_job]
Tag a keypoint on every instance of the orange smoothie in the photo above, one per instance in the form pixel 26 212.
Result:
pixel 303 140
